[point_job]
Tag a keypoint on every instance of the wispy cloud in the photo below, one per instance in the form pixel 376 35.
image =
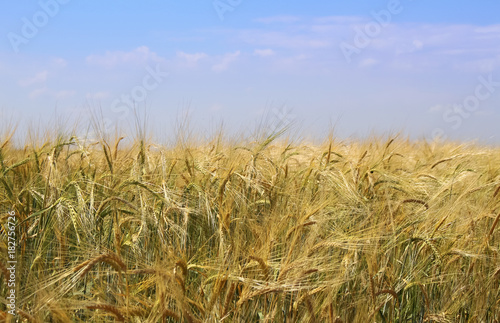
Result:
pixel 40 77
pixel 492 29
pixel 264 52
pixel 37 93
pixel 191 60
pixel 407 47
pixel 45 91
pixel 59 62
pixel 399 46
pixel 140 55
pixel 225 61
pixel 64 94
pixel 338 20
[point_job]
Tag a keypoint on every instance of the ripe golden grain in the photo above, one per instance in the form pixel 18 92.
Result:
pixel 110 258
pixel 321 216
pixel 263 266
pixel 110 309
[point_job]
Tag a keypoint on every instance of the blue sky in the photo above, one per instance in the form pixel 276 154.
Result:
pixel 423 67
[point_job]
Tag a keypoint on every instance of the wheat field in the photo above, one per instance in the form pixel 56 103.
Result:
pixel 261 230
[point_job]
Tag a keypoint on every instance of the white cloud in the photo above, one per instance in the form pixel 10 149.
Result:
pixel 339 20
pixel 38 92
pixel 59 62
pixel 294 60
pixel 419 47
pixel 225 61
pixel 44 91
pixel 405 47
pixel 38 78
pixel 418 44
pixel 264 52
pixel 140 55
pixel 495 29
pixel 191 59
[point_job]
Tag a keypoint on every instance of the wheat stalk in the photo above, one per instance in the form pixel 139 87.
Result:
pixel 110 309
pixel 111 259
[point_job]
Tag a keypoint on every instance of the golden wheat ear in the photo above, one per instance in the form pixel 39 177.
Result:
pixel 109 309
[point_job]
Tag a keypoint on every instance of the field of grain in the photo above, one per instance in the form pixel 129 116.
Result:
pixel 265 230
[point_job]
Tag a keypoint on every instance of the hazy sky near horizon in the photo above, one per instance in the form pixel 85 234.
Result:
pixel 422 67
